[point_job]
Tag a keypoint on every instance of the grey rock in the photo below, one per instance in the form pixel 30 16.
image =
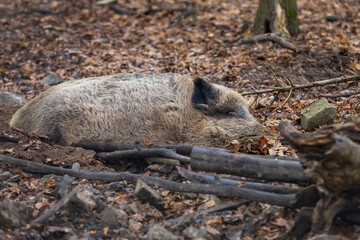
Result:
pixel 5 175
pixel 192 232
pixel 325 237
pixel 189 217
pixel 319 113
pixel 113 218
pixel 11 98
pixel 51 79
pixel 83 200
pixel 147 194
pixel 158 232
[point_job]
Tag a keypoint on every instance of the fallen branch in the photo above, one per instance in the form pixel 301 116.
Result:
pixel 354 92
pixel 56 207
pixel 111 146
pixel 219 190
pixel 213 160
pixel 268 37
pixel 206 179
pixel 142 153
pixel 305 86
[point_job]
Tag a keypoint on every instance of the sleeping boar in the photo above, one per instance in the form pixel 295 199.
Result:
pixel 159 108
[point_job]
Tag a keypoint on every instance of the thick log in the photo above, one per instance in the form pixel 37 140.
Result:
pixel 206 159
pixel 206 179
pixel 331 158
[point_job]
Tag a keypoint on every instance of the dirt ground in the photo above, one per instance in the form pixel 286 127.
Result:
pixel 79 39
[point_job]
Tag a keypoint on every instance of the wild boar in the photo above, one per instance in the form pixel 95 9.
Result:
pixel 159 108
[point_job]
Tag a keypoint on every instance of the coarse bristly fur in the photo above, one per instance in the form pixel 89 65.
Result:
pixel 159 108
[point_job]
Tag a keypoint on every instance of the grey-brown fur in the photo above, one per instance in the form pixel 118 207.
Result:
pixel 159 108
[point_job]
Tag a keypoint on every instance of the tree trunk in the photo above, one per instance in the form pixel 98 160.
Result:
pixel 276 16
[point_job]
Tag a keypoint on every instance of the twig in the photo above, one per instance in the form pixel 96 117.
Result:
pixel 142 153
pixel 308 85
pixel 281 84
pixel 355 92
pixel 269 37
pixel 287 98
pixel 219 190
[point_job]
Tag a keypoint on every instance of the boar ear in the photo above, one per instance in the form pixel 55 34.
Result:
pixel 204 95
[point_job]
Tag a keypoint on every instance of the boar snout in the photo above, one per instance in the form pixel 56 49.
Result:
pixel 217 100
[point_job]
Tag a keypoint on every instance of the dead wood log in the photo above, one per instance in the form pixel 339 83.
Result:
pixel 219 190
pixel 331 157
pixel 268 37
pixel 142 153
pixel 206 179
pixel 247 166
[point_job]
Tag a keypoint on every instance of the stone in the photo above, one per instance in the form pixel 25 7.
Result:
pixel 189 217
pixel 11 98
pixel 83 200
pixel 5 175
pixel 51 79
pixel 158 232
pixel 319 113
pixel 192 232
pixel 113 218
pixel 145 193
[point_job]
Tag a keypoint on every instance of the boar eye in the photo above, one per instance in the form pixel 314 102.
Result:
pixel 233 113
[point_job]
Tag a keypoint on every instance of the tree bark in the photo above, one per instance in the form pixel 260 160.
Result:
pixel 275 16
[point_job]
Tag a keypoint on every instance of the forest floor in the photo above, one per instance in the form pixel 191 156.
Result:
pixel 78 39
